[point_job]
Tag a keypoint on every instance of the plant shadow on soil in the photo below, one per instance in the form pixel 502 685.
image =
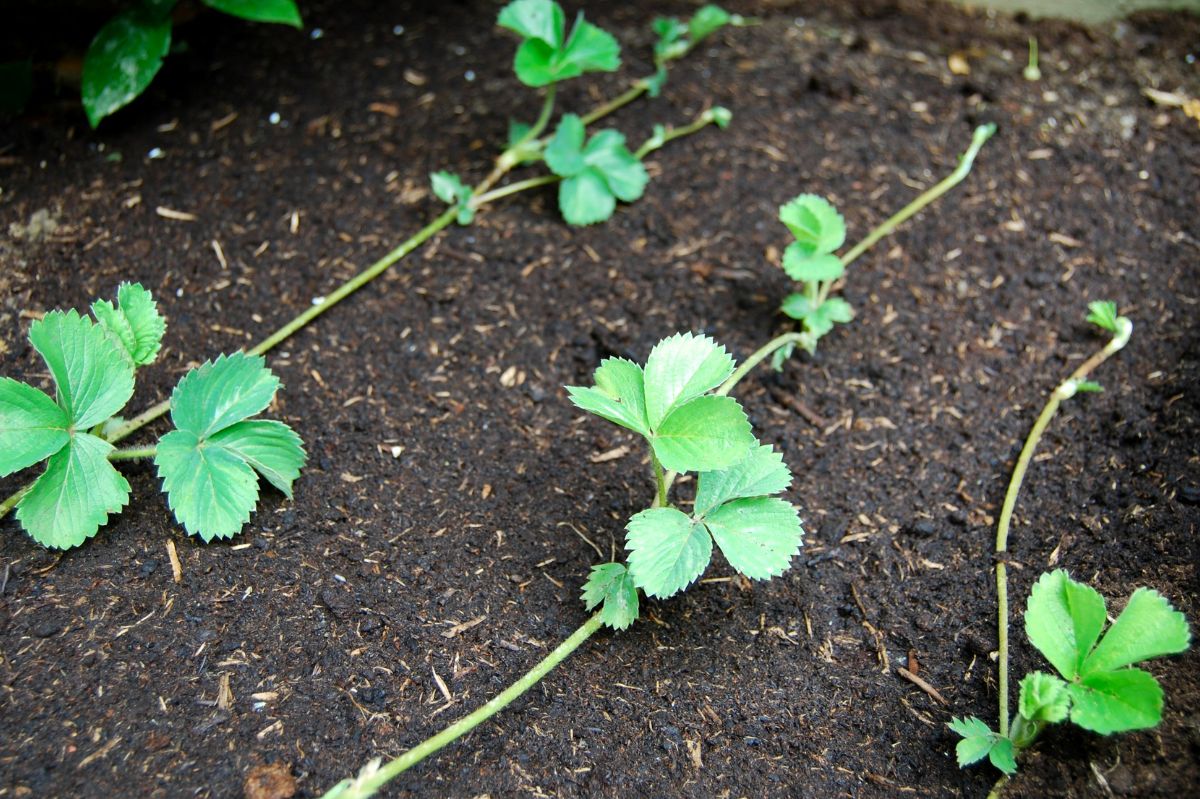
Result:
pixel 435 529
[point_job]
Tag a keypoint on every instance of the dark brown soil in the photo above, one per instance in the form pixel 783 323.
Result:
pixel 449 474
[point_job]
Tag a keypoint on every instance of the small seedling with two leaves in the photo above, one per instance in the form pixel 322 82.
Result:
pixel 1096 687
pixel 208 464
pixel 593 172
pixel 678 402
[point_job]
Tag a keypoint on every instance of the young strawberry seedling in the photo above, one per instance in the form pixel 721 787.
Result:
pixel 207 464
pixel 547 55
pixel 1064 620
pixel 819 231
pixel 679 403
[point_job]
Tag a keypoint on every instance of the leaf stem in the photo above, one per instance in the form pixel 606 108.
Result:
pixel 965 162
pixel 636 90
pixel 11 502
pixel 756 358
pixel 513 188
pixel 1063 391
pixel 660 479
pixel 654 143
pixel 134 453
pixel 372 779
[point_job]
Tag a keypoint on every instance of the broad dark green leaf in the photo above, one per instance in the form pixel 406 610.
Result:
pixel 272 448
pixel 1063 620
pixel 589 49
pixel 122 60
pixel 667 551
pixel 680 368
pixel 564 151
pixel 585 199
pixel 705 434
pixel 1147 628
pixel 32 426
pixel 761 473
pixel 624 174
pixel 541 20
pixel 223 392
pixel 758 536
pixel 1116 701
pixel 806 268
pixel 283 12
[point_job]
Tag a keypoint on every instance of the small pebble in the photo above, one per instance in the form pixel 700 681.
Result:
pixel 398 30
pixel 316 33
pixel 469 75
pixel 274 118
pixel 156 153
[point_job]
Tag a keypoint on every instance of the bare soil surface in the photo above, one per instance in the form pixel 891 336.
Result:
pixel 439 531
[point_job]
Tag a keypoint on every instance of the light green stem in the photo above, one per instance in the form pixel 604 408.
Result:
pixel 514 188
pixel 11 502
pixel 670 134
pixel 373 778
pixel 133 454
pixel 965 162
pixel 1063 391
pixel 623 99
pixel 660 481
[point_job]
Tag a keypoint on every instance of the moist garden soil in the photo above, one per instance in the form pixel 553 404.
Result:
pixel 436 546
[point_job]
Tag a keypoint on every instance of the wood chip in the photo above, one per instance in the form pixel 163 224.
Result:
pixel 613 454
pixel 441 684
pixel 958 64
pixel 224 693
pixel 178 216
pixel 1066 241
pixel 176 566
pixel 693 748
pixel 216 245
pixel 387 109
pixel 924 686
pixel 462 627
pixel 223 122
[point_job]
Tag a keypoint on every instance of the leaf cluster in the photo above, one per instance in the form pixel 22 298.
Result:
pixel 449 188
pixel 548 53
pixel 689 428
pixel 208 464
pixel 595 173
pixel 1096 686
pixel 819 230
pixel 128 50
pixel 676 38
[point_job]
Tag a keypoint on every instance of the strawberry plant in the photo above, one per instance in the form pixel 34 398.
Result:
pixel 1096 688
pixel 678 402
pixel 208 465
pixel 819 231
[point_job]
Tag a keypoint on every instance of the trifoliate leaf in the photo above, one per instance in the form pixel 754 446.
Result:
pixel 1044 698
pixel 821 320
pixel 667 551
pixel 612 584
pixel 283 12
pixel 761 473
pixel 818 227
pixel 122 59
pixel 32 426
pixel 134 322
pixel 1063 620
pixel 706 21
pixel 272 448
pixel 1116 701
pixel 93 378
pixel 211 489
pixel 585 199
pixel 1103 314
pixel 670 43
pixel 681 367
pixel 449 188
pixel 545 57
pixel 798 306
pixel 704 434
pixel 808 268
pixel 1147 628
pixel 758 536
pixel 208 465
pixel 75 495
pixel 223 392
pixel 596 175
pixel 977 740
pixel 1002 756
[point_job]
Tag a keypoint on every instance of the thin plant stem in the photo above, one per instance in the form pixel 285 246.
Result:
pixel 132 454
pixel 1063 391
pixel 514 188
pixel 374 777
pixel 965 162
pixel 660 481
pixel 12 501
pixel 623 99
pixel 670 134
pixel 544 117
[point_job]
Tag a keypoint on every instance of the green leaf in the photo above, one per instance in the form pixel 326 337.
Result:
pixel 134 322
pixel 121 61
pixel 706 21
pixel 624 381
pixel 818 227
pixel 534 63
pixel 667 551
pixel 656 82
pixel 1063 620
pixel 585 199
pixel 820 321
pixel 272 448
pixel 564 151
pixel 809 268
pixel 93 378
pixel 449 188
pixel 517 131
pixel 211 489
pixel 541 20
pixel 1088 387
pixel 798 306
pixel 1103 314
pixel 1116 701
pixel 589 49
pixel 758 536
pixel 1044 698
pixel 681 367
pixel 977 740
pixel 75 495
pixel 761 473
pixel 705 434
pixel 781 355
pixel 1002 756
pixel 32 426
pixel 221 393
pixel 612 584
pixel 280 11
pixel 721 116
pixel 1147 628
pixel 624 174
